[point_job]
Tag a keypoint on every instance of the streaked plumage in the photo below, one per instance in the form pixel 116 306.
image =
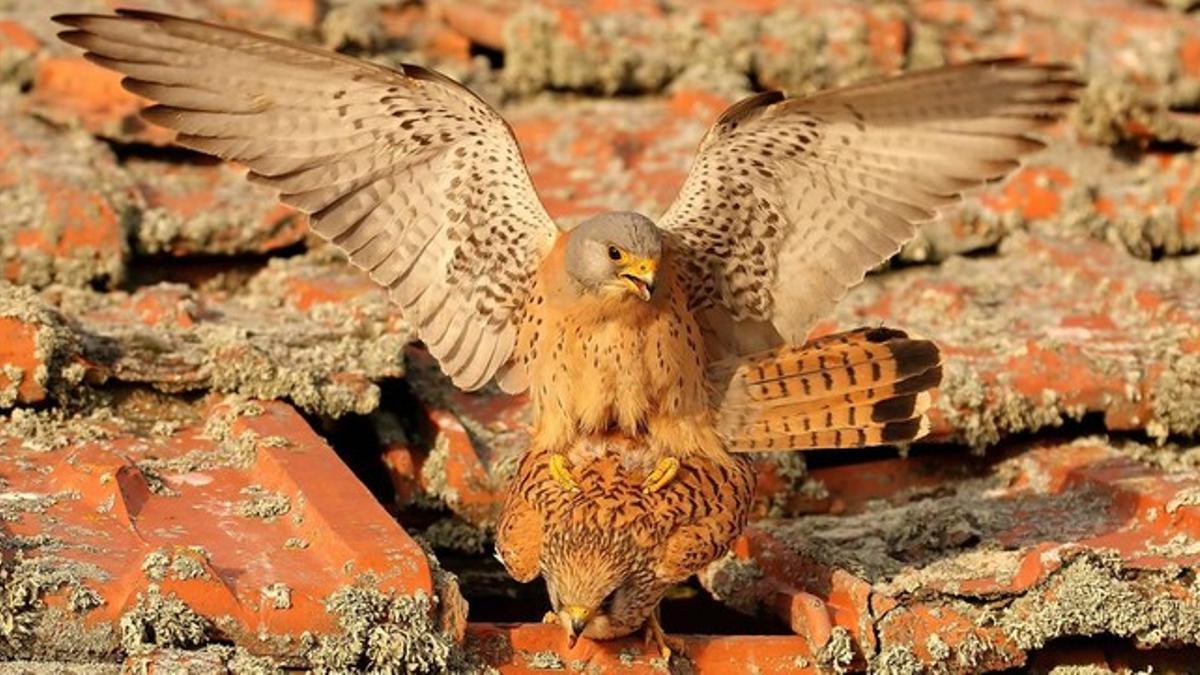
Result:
pixel 789 202
pixel 634 337
pixel 611 550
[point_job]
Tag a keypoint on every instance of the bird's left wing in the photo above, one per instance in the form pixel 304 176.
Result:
pixel 791 201
pixel 418 180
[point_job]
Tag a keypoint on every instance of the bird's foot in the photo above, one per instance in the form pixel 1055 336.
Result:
pixel 561 473
pixel 662 474
pixel 549 617
pixel 661 641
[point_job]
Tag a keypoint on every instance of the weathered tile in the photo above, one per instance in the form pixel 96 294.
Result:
pixel 64 204
pixel 151 523
pixel 1064 540
pixel 1049 331
pixel 207 207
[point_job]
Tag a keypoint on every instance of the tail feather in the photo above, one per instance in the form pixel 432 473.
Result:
pixel 853 389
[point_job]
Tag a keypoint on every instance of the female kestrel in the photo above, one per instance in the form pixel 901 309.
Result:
pixel 610 550
pixel 617 321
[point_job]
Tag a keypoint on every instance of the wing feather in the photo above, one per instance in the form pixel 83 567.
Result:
pixel 792 201
pixel 388 164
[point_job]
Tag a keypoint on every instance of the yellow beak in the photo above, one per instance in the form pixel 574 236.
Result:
pixel 638 274
pixel 574 619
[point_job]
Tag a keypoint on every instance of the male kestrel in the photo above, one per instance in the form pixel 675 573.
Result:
pixel 613 324
pixel 610 550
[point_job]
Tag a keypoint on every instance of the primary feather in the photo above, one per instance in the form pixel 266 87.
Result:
pixel 791 201
pixel 418 180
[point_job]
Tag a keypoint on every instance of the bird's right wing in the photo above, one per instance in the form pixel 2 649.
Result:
pixel 418 180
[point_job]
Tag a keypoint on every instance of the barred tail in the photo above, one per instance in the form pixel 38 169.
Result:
pixel 869 386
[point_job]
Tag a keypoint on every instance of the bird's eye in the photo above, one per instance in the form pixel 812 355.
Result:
pixel 614 253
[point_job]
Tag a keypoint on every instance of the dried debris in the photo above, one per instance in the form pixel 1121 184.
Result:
pixel 182 564
pixel 26 620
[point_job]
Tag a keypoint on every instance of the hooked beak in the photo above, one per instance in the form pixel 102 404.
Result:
pixel 639 276
pixel 574 619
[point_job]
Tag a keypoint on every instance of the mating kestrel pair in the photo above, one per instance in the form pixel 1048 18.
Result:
pixel 621 328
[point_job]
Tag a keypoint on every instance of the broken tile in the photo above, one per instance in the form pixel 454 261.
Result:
pixel 18 47
pixel 1147 205
pixel 71 90
pixel 39 352
pixel 475 441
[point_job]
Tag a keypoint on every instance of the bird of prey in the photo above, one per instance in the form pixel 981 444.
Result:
pixel 614 325
pixel 610 550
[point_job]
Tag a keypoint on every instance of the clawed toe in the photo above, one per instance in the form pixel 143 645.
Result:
pixel 561 473
pixel 655 636
pixel 662 474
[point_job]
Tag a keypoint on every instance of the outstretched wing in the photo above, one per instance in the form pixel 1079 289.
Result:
pixel 419 181
pixel 791 201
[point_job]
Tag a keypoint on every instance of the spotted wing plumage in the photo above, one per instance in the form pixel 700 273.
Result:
pixel 418 180
pixel 791 201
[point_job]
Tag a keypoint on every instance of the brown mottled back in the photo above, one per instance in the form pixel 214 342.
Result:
pixel 611 544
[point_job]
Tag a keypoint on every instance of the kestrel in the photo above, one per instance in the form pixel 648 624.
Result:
pixel 610 550
pixel 614 325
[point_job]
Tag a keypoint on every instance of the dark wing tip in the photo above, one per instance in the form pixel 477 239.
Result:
pixel 74 20
pixel 900 432
pixel 914 356
pixel 747 106
pixel 75 36
pixel 883 334
pixel 144 14
pixel 895 409
pixel 430 75
pixel 921 382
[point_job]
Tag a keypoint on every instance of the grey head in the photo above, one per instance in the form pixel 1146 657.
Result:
pixel 615 252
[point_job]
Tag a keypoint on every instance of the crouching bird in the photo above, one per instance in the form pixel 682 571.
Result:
pixel 609 550
pixel 615 323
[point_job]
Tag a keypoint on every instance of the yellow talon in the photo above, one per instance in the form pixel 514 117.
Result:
pixel 550 617
pixel 561 474
pixel 654 635
pixel 662 474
